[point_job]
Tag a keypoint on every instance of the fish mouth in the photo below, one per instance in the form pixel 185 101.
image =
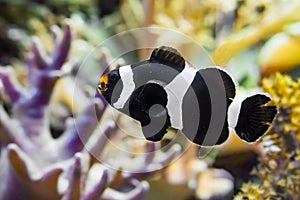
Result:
pixel 102 87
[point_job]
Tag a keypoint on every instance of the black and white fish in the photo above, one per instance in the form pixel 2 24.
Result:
pixel 166 91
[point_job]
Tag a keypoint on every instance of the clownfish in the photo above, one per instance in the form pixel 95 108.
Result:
pixel 166 91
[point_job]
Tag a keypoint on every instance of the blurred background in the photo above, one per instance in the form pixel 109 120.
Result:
pixel 52 55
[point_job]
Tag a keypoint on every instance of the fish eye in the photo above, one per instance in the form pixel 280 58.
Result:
pixel 113 77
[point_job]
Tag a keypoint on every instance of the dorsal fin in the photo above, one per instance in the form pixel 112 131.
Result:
pixel 228 83
pixel 168 56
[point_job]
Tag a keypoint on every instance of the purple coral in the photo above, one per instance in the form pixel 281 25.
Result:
pixel 34 165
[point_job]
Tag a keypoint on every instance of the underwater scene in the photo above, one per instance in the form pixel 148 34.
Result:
pixel 150 99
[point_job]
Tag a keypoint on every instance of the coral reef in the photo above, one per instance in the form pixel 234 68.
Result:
pixel 224 28
pixel 278 170
pixel 200 176
pixel 35 165
pixel 59 142
pixel 274 56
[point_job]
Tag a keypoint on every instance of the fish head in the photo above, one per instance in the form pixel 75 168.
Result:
pixel 110 86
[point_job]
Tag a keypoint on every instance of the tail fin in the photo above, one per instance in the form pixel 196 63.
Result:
pixel 255 117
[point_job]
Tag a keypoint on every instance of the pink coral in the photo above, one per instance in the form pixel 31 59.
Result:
pixel 34 165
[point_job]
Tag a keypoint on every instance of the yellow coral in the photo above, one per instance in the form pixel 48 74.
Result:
pixel 285 93
pixel 280 52
pixel 278 170
pixel 253 191
pixel 241 23
pixel 192 17
pixel 279 14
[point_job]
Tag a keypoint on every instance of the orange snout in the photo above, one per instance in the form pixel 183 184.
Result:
pixel 103 83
